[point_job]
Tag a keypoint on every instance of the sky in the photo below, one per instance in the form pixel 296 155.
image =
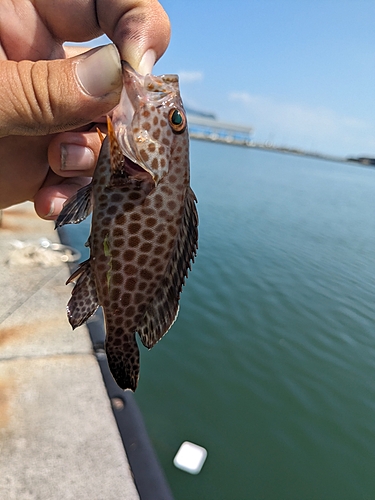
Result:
pixel 300 72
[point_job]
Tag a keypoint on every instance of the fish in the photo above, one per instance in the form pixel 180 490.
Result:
pixel 144 227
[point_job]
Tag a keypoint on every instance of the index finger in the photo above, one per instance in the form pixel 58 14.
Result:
pixel 143 29
pixel 137 27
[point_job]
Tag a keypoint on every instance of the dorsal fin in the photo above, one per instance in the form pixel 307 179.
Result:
pixel 100 134
pixel 117 158
pixel 163 309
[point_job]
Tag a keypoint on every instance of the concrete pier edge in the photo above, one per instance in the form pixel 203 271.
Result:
pixel 147 473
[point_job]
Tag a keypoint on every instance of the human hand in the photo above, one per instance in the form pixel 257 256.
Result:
pixel 51 103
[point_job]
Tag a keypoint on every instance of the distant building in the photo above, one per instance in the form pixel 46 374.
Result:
pixel 205 126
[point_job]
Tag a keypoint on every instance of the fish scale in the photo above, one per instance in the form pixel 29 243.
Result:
pixel 144 224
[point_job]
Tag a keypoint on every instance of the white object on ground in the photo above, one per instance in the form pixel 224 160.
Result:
pixel 190 457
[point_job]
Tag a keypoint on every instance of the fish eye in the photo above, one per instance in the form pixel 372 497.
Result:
pixel 177 120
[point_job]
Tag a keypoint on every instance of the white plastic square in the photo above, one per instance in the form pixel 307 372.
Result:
pixel 190 457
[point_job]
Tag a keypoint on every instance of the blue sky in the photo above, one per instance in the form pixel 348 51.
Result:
pixel 301 72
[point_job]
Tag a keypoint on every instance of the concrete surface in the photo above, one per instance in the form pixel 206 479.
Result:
pixel 58 435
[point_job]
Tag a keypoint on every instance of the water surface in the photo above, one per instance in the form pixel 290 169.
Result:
pixel 271 364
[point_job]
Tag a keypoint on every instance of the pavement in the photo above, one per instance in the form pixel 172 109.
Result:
pixel 58 434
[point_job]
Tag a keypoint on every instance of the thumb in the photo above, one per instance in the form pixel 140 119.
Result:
pixel 44 97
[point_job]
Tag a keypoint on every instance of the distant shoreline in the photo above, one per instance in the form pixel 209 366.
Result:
pixel 366 162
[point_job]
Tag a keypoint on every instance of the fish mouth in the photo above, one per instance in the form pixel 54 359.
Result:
pixel 133 174
pixel 124 168
pixel 135 171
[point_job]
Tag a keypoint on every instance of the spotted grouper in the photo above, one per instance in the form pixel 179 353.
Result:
pixel 144 222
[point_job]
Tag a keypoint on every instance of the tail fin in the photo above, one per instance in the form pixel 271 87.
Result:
pixel 123 360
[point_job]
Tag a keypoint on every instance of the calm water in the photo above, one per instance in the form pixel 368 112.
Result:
pixel 271 364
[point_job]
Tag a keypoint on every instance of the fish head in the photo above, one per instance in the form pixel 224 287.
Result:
pixel 149 115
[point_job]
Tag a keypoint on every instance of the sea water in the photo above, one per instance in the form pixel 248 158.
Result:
pixel 271 363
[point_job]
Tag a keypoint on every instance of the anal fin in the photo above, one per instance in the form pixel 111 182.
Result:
pixel 84 300
pixel 76 208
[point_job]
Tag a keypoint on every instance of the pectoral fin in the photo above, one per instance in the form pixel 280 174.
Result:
pixel 84 300
pixel 77 208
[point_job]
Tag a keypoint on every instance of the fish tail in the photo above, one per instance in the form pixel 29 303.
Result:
pixel 123 359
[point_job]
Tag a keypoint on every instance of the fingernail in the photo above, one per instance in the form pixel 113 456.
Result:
pixel 147 62
pixel 99 71
pixel 51 210
pixel 75 157
pixel 55 208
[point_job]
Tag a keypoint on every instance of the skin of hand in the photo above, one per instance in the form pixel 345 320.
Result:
pixel 53 98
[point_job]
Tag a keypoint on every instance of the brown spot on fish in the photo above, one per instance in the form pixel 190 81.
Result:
pixel 116 197
pixel 151 222
pixel 148 234
pixel 142 285
pixel 134 241
pixel 135 216
pixel 111 210
pixel 138 298
pixel 134 228
pixel 130 311
pixel 159 250
pixel 129 255
pixel 154 164
pixel 146 247
pixel 120 220
pixel 142 259
pixel 135 195
pixel 126 297
pixel 115 294
pixel 146 274
pixel 158 201
pixel 116 265
pixel 166 190
pixel 159 268
pixel 117 279
pixel 130 269
pixel 144 155
pixel 162 238
pixel 130 284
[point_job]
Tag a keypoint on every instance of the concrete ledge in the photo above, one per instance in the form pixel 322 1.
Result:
pixel 147 473
pixel 58 436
